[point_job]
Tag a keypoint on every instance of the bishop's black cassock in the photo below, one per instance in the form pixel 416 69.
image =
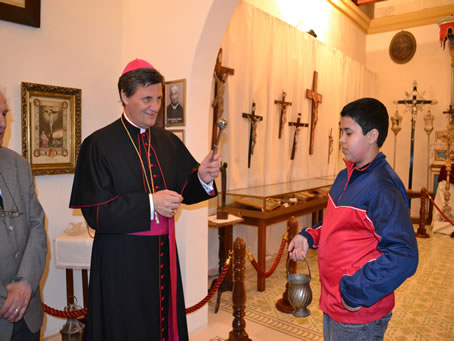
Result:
pixel 129 278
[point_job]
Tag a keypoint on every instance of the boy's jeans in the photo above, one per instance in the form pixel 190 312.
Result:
pixel 373 331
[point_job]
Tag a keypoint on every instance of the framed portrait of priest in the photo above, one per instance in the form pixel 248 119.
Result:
pixel 51 127
pixel 175 103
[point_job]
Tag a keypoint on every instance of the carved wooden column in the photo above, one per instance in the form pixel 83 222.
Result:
pixel 421 232
pixel 283 304
pixel 238 333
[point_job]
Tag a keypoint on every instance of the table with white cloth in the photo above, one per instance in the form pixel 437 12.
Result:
pixel 73 252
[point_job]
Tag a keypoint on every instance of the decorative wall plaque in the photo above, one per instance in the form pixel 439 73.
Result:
pixel 402 47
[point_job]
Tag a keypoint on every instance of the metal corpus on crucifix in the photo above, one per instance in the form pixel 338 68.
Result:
pixel 220 75
pixel 316 99
pixel 253 119
pixel 298 125
pixel 283 117
pixel 414 103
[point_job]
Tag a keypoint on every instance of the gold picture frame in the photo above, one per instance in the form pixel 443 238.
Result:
pixel 25 12
pixel 175 108
pixel 51 127
pixel 179 133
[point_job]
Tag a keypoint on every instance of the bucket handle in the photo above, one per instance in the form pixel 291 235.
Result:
pixel 307 264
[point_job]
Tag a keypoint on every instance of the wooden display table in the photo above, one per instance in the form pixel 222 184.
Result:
pixel 262 218
pixel 225 231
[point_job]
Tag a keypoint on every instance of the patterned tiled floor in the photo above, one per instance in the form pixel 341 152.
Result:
pixel 424 303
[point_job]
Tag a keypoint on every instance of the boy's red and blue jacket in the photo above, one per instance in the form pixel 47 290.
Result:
pixel 366 242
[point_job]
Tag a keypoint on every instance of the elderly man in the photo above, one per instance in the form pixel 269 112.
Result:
pixel 23 245
pixel 130 179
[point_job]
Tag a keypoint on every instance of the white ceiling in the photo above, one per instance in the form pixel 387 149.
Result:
pixel 389 8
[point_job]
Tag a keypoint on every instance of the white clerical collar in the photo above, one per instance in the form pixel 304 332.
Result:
pixel 142 130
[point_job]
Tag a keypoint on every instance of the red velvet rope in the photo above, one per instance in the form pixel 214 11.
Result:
pixel 213 290
pixel 441 212
pixel 275 264
pixel 83 312
pixel 64 313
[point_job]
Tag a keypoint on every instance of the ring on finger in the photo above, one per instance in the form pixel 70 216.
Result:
pixel 17 310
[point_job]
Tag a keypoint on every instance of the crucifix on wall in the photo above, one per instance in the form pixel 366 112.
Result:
pixel 298 125
pixel 283 117
pixel 253 119
pixel 220 75
pixel 414 103
pixel 316 99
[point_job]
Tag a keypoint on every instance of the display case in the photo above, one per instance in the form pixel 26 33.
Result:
pixel 271 199
pixel 265 205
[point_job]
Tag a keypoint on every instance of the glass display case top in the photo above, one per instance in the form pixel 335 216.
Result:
pixel 276 190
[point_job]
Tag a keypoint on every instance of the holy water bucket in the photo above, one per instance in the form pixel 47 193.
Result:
pixel 299 292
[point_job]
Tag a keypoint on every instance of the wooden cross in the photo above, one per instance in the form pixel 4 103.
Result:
pixel 253 118
pixel 220 75
pixel 414 102
pixel 316 99
pixel 283 117
pixel 298 124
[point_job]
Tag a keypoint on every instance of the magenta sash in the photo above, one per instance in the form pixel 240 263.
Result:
pixel 167 226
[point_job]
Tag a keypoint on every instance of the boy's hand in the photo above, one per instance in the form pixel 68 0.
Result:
pixel 298 248
pixel 346 306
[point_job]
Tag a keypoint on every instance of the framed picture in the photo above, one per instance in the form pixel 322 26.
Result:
pixel 179 133
pixel 175 100
pixel 160 119
pixel 26 12
pixel 51 127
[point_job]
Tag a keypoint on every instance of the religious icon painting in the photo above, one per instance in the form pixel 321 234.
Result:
pixel 51 127
pixel 175 103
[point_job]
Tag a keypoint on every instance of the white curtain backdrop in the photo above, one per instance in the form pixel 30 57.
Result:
pixel 269 56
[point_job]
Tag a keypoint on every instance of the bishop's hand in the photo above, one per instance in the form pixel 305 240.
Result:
pixel 209 168
pixel 166 202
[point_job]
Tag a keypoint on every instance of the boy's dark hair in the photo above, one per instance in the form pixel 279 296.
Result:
pixel 370 114
pixel 143 76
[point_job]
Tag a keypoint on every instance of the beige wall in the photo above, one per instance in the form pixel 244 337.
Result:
pixel 70 49
pixel 86 45
pixel 430 67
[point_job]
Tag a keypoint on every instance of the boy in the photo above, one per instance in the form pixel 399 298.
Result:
pixel 366 242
